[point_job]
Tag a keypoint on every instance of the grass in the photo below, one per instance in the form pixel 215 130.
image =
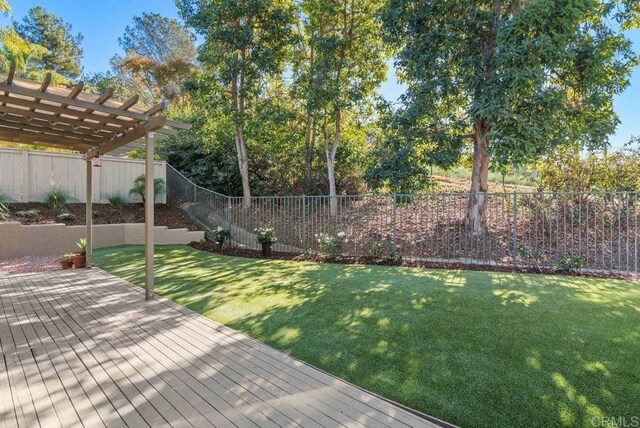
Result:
pixel 473 348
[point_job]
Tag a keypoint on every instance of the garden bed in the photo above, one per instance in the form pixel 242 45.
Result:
pixel 165 215
pixel 212 247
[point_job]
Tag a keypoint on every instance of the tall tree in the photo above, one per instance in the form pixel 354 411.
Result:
pixel 160 53
pixel 246 41
pixel 346 64
pixel 517 78
pixel 51 32
pixel 15 49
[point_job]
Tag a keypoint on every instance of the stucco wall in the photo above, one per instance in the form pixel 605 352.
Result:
pixel 48 239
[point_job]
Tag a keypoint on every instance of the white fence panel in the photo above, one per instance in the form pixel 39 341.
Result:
pixel 27 175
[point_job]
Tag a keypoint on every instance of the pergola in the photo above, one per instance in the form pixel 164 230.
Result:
pixel 70 119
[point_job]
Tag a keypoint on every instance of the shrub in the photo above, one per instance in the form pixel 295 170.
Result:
pixel 265 235
pixel 57 198
pixel 119 201
pixel 332 245
pixel 383 249
pixel 221 235
pixel 66 217
pixel 27 214
pixel 570 263
pixel 140 184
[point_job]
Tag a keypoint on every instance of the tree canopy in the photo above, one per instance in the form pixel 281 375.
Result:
pixel 514 78
pixel 63 49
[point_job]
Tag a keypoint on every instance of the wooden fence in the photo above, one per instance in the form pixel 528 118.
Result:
pixel 27 175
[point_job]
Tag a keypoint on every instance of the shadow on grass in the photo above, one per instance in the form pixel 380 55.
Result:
pixel 472 348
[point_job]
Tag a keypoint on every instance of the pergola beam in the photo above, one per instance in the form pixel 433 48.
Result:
pixel 80 114
pixel 60 129
pixel 153 124
pixel 59 99
pixel 75 124
pixel 20 138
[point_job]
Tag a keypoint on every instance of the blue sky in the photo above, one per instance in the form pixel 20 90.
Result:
pixel 103 21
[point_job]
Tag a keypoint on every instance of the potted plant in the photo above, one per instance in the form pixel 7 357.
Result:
pixel 266 237
pixel 66 261
pixel 220 236
pixel 80 258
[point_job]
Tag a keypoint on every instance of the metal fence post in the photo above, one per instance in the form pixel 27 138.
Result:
pixel 195 193
pixel 515 230
pixel 303 229
pixel 394 209
pixel 229 212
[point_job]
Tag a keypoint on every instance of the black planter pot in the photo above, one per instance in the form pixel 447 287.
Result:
pixel 266 249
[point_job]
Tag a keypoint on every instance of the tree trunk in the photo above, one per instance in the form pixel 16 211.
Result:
pixel 476 211
pixel 331 159
pixel 241 147
pixel 309 146
pixel 243 164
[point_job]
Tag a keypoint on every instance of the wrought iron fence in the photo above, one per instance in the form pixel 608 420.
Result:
pixel 595 231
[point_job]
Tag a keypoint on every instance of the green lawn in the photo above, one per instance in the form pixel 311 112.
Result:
pixel 473 348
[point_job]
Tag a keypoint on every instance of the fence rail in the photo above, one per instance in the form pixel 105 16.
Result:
pixel 597 231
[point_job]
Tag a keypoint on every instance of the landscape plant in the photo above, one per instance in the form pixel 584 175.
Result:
pixel 33 213
pixel 119 201
pixel 570 263
pixel 4 207
pixel 66 261
pixel 265 235
pixel 332 245
pixel 221 235
pixel 66 217
pixel 57 198
pixel 139 186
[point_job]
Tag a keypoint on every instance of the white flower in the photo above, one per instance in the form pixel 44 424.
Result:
pixel 341 234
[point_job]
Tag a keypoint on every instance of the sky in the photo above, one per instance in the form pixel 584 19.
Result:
pixel 103 21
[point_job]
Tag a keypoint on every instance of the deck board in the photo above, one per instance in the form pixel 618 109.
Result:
pixel 83 348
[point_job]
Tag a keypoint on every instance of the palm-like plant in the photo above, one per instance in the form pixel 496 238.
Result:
pixel 140 184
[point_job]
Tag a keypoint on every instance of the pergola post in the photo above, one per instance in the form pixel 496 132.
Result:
pixel 148 215
pixel 89 213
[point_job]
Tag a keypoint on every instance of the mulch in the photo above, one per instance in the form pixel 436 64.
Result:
pixel 165 215
pixel 212 247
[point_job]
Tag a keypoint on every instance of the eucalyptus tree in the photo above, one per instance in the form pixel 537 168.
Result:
pixel 516 78
pixel 245 42
pixel 346 62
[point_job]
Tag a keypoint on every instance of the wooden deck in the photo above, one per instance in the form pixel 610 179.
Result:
pixel 83 348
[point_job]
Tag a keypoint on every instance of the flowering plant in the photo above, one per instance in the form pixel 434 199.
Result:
pixel 332 245
pixel 265 235
pixel 220 235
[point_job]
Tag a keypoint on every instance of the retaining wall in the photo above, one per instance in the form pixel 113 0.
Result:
pixel 47 239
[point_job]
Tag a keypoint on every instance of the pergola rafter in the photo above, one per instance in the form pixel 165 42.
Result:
pixel 68 118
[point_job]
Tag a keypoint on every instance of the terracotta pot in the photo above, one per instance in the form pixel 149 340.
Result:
pixel 266 249
pixel 66 264
pixel 79 261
